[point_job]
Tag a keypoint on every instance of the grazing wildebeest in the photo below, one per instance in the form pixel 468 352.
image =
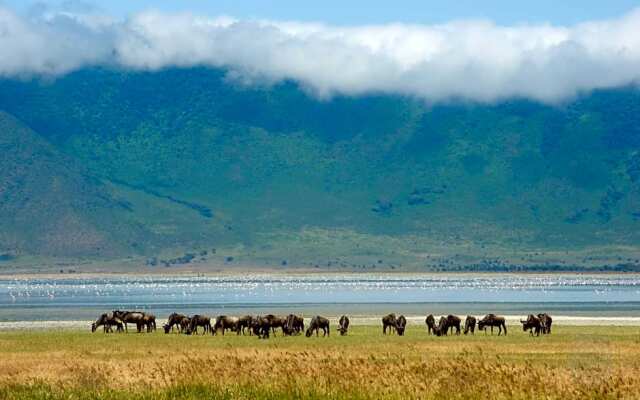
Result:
pixel 546 321
pixel 531 324
pixel 431 324
pixel 245 322
pixel 470 325
pixel 107 321
pixel 261 327
pixel 388 321
pixel 442 328
pixel 293 325
pixel 492 320
pixel 184 324
pixel 131 317
pixel 276 322
pixel 316 324
pixel 199 320
pixel 446 323
pixel 343 323
pixel 224 322
pixel 174 319
pixel 401 324
pixel 149 321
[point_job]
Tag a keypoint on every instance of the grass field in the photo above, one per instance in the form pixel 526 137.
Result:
pixel 573 362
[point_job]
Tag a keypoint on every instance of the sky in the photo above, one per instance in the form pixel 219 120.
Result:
pixel 549 53
pixel 360 12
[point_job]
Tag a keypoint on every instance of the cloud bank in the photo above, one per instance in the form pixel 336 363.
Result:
pixel 473 60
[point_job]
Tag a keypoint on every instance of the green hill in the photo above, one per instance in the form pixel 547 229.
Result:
pixel 161 163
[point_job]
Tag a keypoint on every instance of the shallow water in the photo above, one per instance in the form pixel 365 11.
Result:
pixel 39 299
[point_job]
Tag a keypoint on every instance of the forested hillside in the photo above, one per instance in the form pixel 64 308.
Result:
pixel 105 163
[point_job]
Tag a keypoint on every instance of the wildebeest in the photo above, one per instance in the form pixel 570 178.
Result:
pixel 401 324
pixel 149 321
pixel 431 324
pixel 293 325
pixel 388 321
pixel 449 322
pixel 184 324
pixel 245 322
pixel 197 321
pixel 470 325
pixel 531 324
pixel 131 317
pixel 224 322
pixel 261 327
pixel 545 321
pixel 492 320
pixel 316 324
pixel 343 325
pixel 107 321
pixel 276 322
pixel 440 328
pixel 174 320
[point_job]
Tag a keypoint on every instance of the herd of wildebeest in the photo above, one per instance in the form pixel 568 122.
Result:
pixel 263 325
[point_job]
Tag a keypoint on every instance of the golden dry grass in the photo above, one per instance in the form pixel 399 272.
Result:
pixel 574 362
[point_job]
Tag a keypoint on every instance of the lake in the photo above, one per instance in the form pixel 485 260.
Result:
pixel 360 295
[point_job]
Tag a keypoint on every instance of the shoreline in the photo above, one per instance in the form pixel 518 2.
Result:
pixel 289 272
pixel 415 320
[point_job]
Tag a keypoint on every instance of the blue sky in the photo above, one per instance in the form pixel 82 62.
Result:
pixel 371 11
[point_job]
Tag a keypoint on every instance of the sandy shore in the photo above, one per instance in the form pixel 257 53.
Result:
pixel 356 320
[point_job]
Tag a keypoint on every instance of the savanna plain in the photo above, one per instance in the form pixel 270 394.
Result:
pixel 574 362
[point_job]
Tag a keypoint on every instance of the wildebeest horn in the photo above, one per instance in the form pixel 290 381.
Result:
pixel 522 322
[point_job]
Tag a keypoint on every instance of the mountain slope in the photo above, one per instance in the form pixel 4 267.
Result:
pixel 49 205
pixel 276 172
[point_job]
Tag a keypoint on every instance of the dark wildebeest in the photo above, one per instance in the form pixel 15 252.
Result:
pixel 442 328
pixel 149 321
pixel 344 325
pixel 224 322
pixel 107 321
pixel 316 324
pixel 174 319
pixel 261 327
pixel 131 317
pixel 245 322
pixel 388 321
pixel 431 324
pixel 184 324
pixel 470 325
pixel 401 324
pixel 293 325
pixel 276 322
pixel 199 320
pixel 546 321
pixel 531 324
pixel 492 320
pixel 446 323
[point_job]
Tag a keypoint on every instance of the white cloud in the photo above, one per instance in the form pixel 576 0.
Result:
pixel 475 60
